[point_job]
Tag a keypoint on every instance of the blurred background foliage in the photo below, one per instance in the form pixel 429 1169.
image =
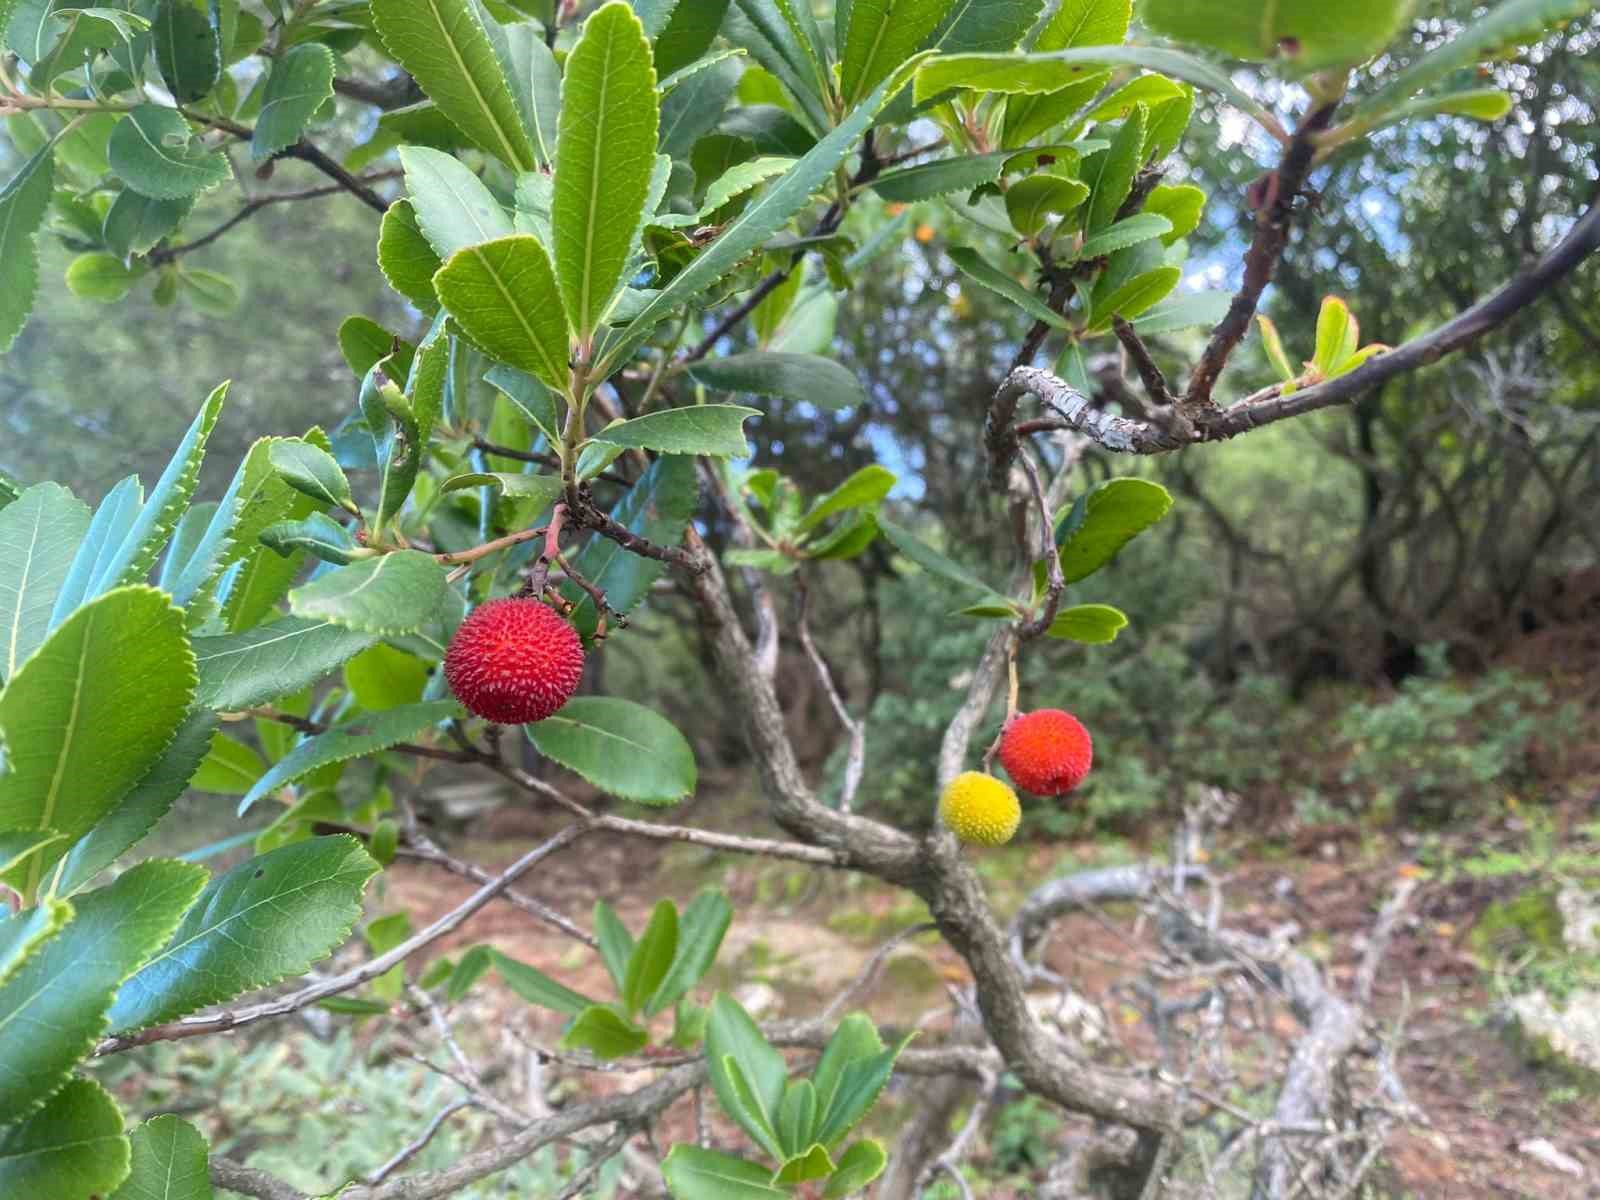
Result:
pixel 1436 543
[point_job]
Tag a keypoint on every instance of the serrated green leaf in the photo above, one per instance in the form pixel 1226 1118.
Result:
pixel 154 151
pixel 535 79
pixel 693 1173
pixel 1181 205
pixel 620 747
pixel 864 487
pixel 741 178
pixel 1105 519
pixel 18 845
pixel 1130 231
pixel 135 223
pixel 406 259
pixel 54 1008
pixel 546 489
pixel 1273 345
pixel 733 1040
pixel 700 933
pixel 238 670
pixel 605 157
pixel 859 1165
pixel 137 812
pixel 39 537
pixel 169 1162
pixel 90 712
pixel 453 208
pixel 188 50
pixel 714 429
pixel 301 82
pixel 942 177
pixel 1299 35
pixel 687 36
pixel 1148 90
pixel 1092 624
pixel 1027 116
pixel 854 1039
pixel 769 30
pixel 364 734
pixel 73 1146
pixel 22 933
pixel 269 918
pixel 1109 173
pixel 604 1033
pixel 447 50
pixel 616 943
pixel 397 593
pixel 860 1082
pixel 651 957
pixel 503 295
pixel 813 1164
pixel 797 1115
pixel 981 272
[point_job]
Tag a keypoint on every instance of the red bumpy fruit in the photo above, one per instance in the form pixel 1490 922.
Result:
pixel 514 661
pixel 1047 752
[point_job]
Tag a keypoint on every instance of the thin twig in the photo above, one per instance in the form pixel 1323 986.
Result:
pixel 417 1144
pixel 856 761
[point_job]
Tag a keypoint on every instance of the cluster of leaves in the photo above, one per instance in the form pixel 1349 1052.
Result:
pixel 798 1124
pixel 1338 351
pixel 791 532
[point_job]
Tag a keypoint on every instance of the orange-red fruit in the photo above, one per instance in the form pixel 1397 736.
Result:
pixel 514 661
pixel 1047 752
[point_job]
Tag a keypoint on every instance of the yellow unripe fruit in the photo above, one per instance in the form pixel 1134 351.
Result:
pixel 980 809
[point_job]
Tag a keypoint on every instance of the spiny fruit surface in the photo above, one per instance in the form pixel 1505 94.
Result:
pixel 1047 752
pixel 980 809
pixel 514 661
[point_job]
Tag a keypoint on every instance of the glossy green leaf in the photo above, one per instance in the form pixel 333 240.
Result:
pixel 819 381
pixel 759 221
pixel 714 429
pixel 1130 231
pixel 1184 311
pixel 620 747
pixel 90 712
pixel 535 79
pixel 103 278
pixel 453 208
pixel 311 470
pixel 53 1009
pixel 1133 297
pixel 882 35
pixel 188 50
pixel 1181 205
pixel 854 1039
pixel 864 487
pixel 135 223
pixel 39 536
pixel 605 156
pixel 74 1146
pixel 770 30
pixel 687 35
pixel 301 82
pixel 604 1033
pixel 154 151
pixel 447 50
pixel 693 1173
pixel 503 296
pixel 1027 116
pixel 981 272
pixel 18 845
pixel 1032 202
pixel 1338 335
pixel 797 1115
pixel 1300 35
pixel 138 811
pixel 1105 519
pixel 732 1035
pixel 859 1165
pixel 942 177
pixel 802 1168
pixel 534 986
pixel 1109 173
pixel 318 534
pixel 381 677
pixel 239 670
pixel 860 1083
pixel 546 489
pixel 23 203
pixel 406 259
pixel 1273 345
pixel 269 918
pixel 364 734
pixel 169 1162
pixel 700 932
pixel 1092 624
pixel 229 767
pixel 651 957
pixel 397 593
